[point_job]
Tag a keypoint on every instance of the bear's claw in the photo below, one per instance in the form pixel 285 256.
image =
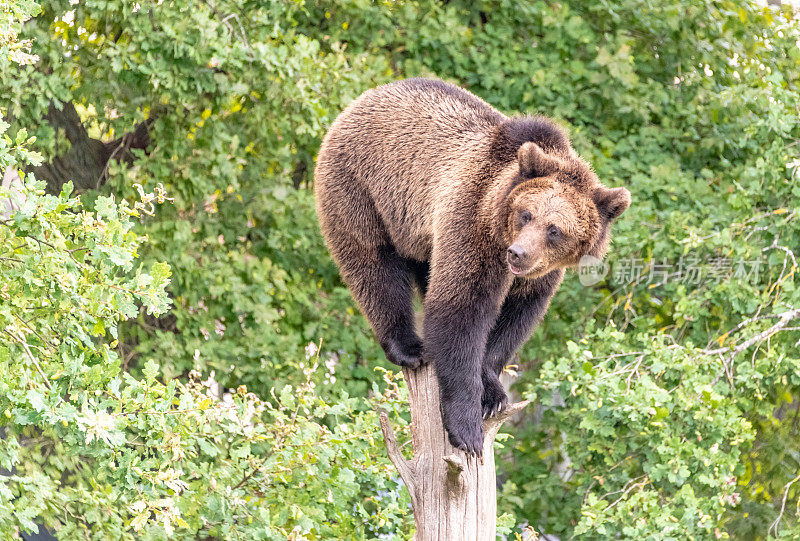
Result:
pixel 490 410
pixel 494 399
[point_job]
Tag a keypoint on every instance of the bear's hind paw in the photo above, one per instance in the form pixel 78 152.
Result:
pixel 406 354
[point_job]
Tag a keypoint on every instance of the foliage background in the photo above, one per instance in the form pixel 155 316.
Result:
pixel 156 373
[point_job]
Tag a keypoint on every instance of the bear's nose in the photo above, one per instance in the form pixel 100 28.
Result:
pixel 515 254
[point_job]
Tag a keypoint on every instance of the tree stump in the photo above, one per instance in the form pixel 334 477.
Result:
pixel 453 495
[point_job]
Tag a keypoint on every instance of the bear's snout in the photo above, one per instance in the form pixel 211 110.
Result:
pixel 516 254
pixel 517 258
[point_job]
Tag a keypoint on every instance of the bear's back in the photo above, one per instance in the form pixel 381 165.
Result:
pixel 406 144
pixel 451 109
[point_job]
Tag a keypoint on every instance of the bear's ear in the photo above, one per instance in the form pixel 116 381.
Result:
pixel 611 202
pixel 534 162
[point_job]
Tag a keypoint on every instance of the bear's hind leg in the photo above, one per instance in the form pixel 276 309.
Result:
pixel 379 279
pixel 381 283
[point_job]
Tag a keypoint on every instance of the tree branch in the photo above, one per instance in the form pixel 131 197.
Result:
pixel 86 162
pixel 493 424
pixel 404 467
pixel 21 340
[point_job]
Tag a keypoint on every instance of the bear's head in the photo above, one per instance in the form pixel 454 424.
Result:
pixel 557 212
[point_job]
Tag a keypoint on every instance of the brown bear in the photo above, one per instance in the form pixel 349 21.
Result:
pixel 419 182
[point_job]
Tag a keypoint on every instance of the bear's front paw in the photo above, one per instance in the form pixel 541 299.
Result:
pixel 494 399
pixel 406 353
pixel 464 428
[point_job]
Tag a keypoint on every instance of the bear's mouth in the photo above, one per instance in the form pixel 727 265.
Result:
pixel 531 270
pixel 515 270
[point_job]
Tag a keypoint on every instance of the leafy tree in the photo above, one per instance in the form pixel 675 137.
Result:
pixel 667 392
pixel 94 452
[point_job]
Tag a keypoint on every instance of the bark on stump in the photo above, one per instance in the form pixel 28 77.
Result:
pixel 453 495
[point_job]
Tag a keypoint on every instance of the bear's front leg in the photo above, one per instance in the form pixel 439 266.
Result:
pixel 459 311
pixel 455 341
pixel 523 308
pixel 494 398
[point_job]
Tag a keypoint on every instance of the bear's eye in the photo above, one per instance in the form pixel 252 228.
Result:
pixel 553 232
pixel 525 217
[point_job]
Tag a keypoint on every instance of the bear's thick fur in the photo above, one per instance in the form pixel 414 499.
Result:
pixel 419 182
